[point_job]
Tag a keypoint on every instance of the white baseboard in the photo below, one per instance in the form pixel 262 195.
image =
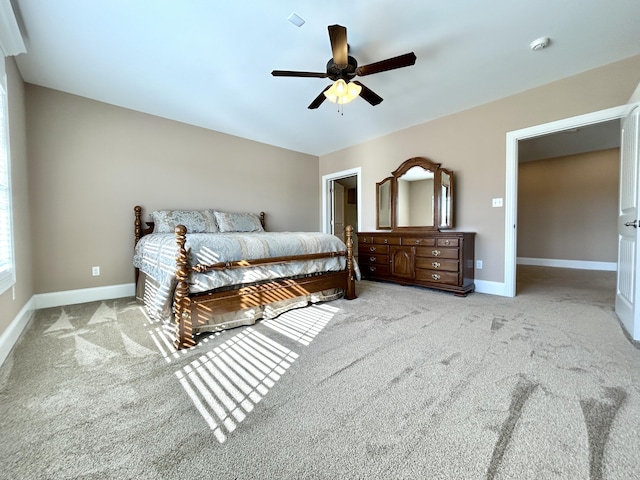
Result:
pixel 577 264
pixel 71 297
pixel 56 299
pixel 12 333
pixel 491 288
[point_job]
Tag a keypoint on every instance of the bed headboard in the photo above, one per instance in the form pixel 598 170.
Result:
pixel 140 231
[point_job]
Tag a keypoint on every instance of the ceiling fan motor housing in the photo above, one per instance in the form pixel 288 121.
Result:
pixel 337 72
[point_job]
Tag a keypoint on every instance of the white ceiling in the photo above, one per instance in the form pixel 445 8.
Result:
pixel 599 136
pixel 209 62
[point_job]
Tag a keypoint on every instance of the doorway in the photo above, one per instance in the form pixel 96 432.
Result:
pixel 567 200
pixel 341 194
pixel 511 193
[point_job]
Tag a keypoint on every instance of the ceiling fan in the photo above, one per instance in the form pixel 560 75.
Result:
pixel 342 68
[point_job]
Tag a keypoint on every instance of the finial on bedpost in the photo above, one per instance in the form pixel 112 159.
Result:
pixel 351 281
pixel 181 301
pixel 262 220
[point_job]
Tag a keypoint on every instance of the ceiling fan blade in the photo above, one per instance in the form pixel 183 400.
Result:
pixel 290 73
pixel 400 61
pixel 338 38
pixel 369 95
pixel 319 99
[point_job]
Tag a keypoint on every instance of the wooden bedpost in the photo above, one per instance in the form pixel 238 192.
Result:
pixel 181 301
pixel 137 232
pixel 137 224
pixel 351 281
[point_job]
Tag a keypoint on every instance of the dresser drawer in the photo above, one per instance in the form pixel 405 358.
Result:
pixel 386 240
pixel 448 242
pixel 367 249
pixel 435 276
pixel 372 270
pixel 437 252
pixel 437 264
pixel 426 242
pixel 369 258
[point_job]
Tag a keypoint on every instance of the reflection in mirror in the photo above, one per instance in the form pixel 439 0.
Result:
pixel 415 197
pixel 445 199
pixel 383 192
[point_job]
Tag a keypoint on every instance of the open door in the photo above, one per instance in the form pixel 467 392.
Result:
pixel 627 288
pixel 337 205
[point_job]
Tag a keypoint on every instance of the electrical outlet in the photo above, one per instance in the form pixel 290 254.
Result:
pixel 496 202
pixel 479 264
pixel 95 271
pixel 13 292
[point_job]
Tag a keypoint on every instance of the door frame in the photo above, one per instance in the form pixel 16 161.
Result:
pixel 327 214
pixel 511 192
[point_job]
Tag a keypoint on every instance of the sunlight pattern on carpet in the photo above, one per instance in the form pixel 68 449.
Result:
pixel 226 383
pixel 303 324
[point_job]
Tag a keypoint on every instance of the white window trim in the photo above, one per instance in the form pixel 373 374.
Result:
pixel 7 276
pixel 11 44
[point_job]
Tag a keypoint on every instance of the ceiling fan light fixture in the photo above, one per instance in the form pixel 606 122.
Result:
pixel 342 92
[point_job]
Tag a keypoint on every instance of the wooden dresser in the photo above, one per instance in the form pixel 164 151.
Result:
pixel 440 260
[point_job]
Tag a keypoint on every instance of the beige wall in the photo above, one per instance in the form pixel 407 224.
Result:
pixel 567 207
pixel 9 307
pixel 90 163
pixel 473 144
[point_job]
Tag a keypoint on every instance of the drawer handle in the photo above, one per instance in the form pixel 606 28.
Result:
pixel 435 276
pixel 386 241
pixel 373 259
pixel 417 241
pixel 372 249
pixel 446 242
pixel 436 264
pixel 436 253
pixel 372 269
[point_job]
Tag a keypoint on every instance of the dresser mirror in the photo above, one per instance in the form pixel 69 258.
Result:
pixel 383 200
pixel 446 199
pixel 418 196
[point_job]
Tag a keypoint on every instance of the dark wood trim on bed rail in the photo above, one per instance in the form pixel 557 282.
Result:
pixel 202 268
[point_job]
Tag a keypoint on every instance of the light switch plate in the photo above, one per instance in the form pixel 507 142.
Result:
pixel 496 202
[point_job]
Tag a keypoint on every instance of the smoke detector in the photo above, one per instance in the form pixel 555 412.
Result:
pixel 540 43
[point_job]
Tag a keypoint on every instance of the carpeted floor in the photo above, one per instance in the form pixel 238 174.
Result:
pixel 401 383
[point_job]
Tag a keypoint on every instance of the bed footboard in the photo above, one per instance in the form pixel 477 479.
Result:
pixel 195 308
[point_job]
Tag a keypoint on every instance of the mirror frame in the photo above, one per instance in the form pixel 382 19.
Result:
pixel 449 199
pixel 437 170
pixel 379 185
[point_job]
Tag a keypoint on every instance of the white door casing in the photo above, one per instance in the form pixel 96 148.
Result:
pixel 327 208
pixel 627 288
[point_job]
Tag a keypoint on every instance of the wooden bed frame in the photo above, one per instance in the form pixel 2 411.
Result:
pixel 193 309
